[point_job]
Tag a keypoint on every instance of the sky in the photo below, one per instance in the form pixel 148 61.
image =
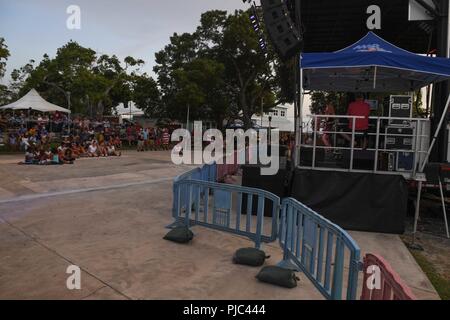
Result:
pixel 137 28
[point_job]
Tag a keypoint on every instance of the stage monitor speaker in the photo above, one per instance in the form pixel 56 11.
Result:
pixel 281 29
pixel 400 138
pixel 400 107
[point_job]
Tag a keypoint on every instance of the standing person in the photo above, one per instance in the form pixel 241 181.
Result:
pixel 145 134
pixel 359 108
pixel 328 126
pixel 151 138
pixel 166 139
pixel 25 142
pixel 129 135
pixel 140 143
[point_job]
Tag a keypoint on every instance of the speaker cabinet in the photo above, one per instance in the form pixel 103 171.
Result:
pixel 281 29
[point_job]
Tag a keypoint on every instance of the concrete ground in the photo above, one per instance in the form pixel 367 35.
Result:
pixel 107 216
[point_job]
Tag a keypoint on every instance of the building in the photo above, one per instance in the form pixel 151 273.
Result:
pixel 283 118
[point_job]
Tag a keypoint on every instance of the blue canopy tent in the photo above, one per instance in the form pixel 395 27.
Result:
pixel 372 65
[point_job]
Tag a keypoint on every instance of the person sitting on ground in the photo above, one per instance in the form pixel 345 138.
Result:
pixel 78 150
pixel 55 157
pixel 102 149
pixel 43 157
pixel 48 153
pixel 68 157
pixel 112 150
pixel 29 156
pixel 117 142
pixel 93 149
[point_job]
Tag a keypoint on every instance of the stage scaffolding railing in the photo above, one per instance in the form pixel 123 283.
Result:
pixel 316 154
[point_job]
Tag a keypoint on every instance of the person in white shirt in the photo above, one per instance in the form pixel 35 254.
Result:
pixel 93 149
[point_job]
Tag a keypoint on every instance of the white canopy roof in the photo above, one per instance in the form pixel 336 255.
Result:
pixel 34 101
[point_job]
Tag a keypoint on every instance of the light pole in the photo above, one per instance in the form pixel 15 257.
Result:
pixel 270 130
pixel 187 119
pixel 262 110
pixel 69 106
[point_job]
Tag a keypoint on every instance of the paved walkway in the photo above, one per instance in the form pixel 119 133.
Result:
pixel 108 215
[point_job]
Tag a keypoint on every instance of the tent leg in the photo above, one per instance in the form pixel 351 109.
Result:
pixel 444 211
pixel 299 122
pixel 417 215
pixel 436 134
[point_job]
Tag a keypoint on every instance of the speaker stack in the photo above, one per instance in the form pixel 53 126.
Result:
pixel 281 29
pixel 400 134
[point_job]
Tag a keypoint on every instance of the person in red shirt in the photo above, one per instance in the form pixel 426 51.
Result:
pixel 359 108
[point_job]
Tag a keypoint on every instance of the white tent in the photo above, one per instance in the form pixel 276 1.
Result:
pixel 34 101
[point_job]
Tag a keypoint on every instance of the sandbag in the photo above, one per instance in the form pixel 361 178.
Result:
pixel 250 257
pixel 179 235
pixel 278 276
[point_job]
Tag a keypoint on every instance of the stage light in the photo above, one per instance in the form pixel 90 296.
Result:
pixel 255 21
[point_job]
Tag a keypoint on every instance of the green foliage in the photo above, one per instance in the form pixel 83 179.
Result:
pixel 4 54
pixel 90 82
pixel 440 283
pixel 319 100
pixel 218 71
pixel 146 96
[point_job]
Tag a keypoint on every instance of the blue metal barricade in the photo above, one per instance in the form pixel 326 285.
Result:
pixel 218 206
pixel 320 249
pixel 185 176
pixel 310 243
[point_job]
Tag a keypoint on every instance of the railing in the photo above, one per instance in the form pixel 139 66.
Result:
pixel 317 247
pixel 322 142
pixel 227 208
pixel 207 173
pixel 390 285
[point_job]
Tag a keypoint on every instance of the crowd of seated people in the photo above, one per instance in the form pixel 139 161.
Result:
pixel 69 151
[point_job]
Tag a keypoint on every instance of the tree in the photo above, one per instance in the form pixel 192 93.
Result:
pixel 94 84
pixel 4 55
pixel 340 101
pixel 146 96
pixel 181 50
pixel 242 76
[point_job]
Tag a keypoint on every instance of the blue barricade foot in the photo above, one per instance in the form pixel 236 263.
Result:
pixel 286 264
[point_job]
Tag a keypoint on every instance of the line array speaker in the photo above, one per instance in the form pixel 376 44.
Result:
pixel 281 29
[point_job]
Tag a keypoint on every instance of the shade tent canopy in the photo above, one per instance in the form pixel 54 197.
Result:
pixel 32 100
pixel 372 65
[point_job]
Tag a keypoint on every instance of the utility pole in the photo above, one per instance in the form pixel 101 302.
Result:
pixel 441 90
pixel 298 90
pixel 187 118
pixel 262 110
pixel 69 106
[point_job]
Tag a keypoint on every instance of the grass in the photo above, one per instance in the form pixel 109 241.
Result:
pixel 441 285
